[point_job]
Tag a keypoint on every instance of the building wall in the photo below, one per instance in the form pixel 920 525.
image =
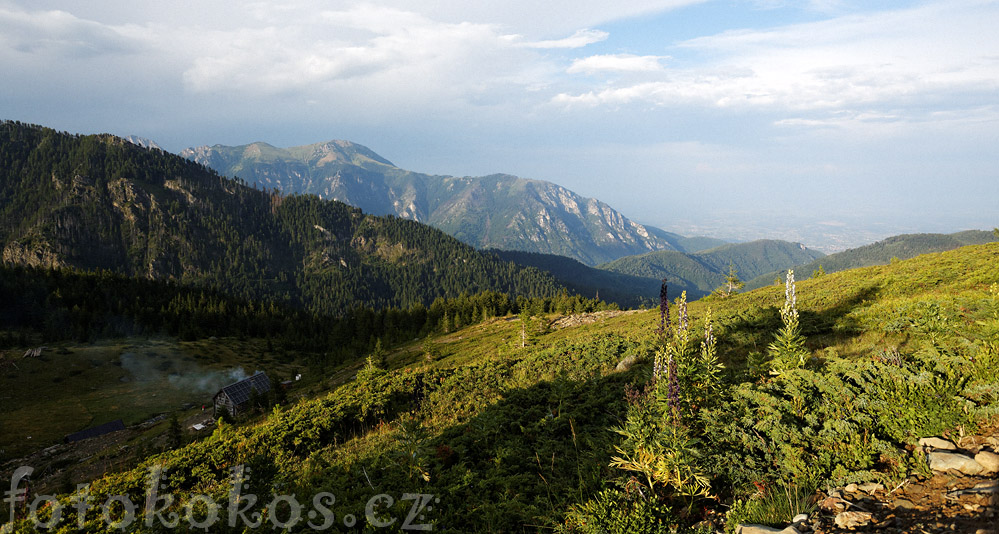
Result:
pixel 224 403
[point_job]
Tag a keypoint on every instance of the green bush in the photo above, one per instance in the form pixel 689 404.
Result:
pixel 613 512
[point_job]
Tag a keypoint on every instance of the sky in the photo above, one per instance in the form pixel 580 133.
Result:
pixel 704 116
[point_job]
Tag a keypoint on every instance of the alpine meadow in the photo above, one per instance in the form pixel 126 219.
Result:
pixel 652 267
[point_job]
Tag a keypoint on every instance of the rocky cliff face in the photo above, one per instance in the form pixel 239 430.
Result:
pixel 497 211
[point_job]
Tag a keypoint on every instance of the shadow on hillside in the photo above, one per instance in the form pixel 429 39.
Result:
pixel 752 329
pixel 530 456
pixel 834 319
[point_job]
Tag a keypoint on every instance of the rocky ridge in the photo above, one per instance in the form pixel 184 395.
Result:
pixel 496 211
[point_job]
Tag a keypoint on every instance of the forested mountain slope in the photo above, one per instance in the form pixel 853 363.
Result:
pixel 701 272
pixel 624 289
pixel 99 202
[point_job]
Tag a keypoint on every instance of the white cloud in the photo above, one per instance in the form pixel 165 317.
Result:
pixel 577 40
pixel 616 62
pixel 901 58
pixel 382 55
pixel 536 20
pixel 58 33
pixel 370 54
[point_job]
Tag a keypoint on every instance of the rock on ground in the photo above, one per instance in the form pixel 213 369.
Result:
pixel 761 529
pixel 989 462
pixel 852 519
pixel 943 462
pixel 937 443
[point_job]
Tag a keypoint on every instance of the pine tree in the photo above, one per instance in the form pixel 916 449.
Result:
pixel 732 283
pixel 278 395
pixel 174 435
pixel 445 324
pixel 525 325
pixel 430 350
pixel 379 355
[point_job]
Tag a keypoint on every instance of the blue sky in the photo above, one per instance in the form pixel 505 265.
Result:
pixel 681 113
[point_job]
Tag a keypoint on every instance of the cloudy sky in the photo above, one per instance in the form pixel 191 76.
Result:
pixel 673 111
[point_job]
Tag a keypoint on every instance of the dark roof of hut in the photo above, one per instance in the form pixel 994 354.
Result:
pixel 241 391
pixel 96 431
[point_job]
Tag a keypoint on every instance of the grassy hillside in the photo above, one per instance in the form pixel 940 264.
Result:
pixel 515 427
pixel 901 247
pixel 145 351
pixel 701 272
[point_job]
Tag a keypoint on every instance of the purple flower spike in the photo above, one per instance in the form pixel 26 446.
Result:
pixel 663 308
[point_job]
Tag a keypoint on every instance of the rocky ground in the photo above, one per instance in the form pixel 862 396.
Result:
pixel 961 496
pixel 568 321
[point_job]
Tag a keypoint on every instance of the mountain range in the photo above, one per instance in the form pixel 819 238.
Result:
pixel 98 202
pixel 102 202
pixel 497 211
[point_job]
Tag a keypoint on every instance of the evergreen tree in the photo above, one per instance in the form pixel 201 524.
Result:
pixel 445 324
pixel 430 350
pixel 174 435
pixel 732 283
pixel 278 395
pixel 379 355
pixel 525 325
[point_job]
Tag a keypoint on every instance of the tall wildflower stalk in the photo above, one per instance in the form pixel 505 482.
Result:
pixel 663 309
pixel 788 351
pixel 709 368
pixel 683 326
pixel 708 345
pixel 658 445
pixel 659 363
pixel 676 358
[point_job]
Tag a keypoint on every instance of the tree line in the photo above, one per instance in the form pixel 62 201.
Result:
pixel 51 305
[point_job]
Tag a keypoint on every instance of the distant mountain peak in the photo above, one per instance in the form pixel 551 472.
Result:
pixel 497 211
pixel 142 141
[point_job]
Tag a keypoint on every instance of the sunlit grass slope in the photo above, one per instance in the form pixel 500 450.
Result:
pixel 512 428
